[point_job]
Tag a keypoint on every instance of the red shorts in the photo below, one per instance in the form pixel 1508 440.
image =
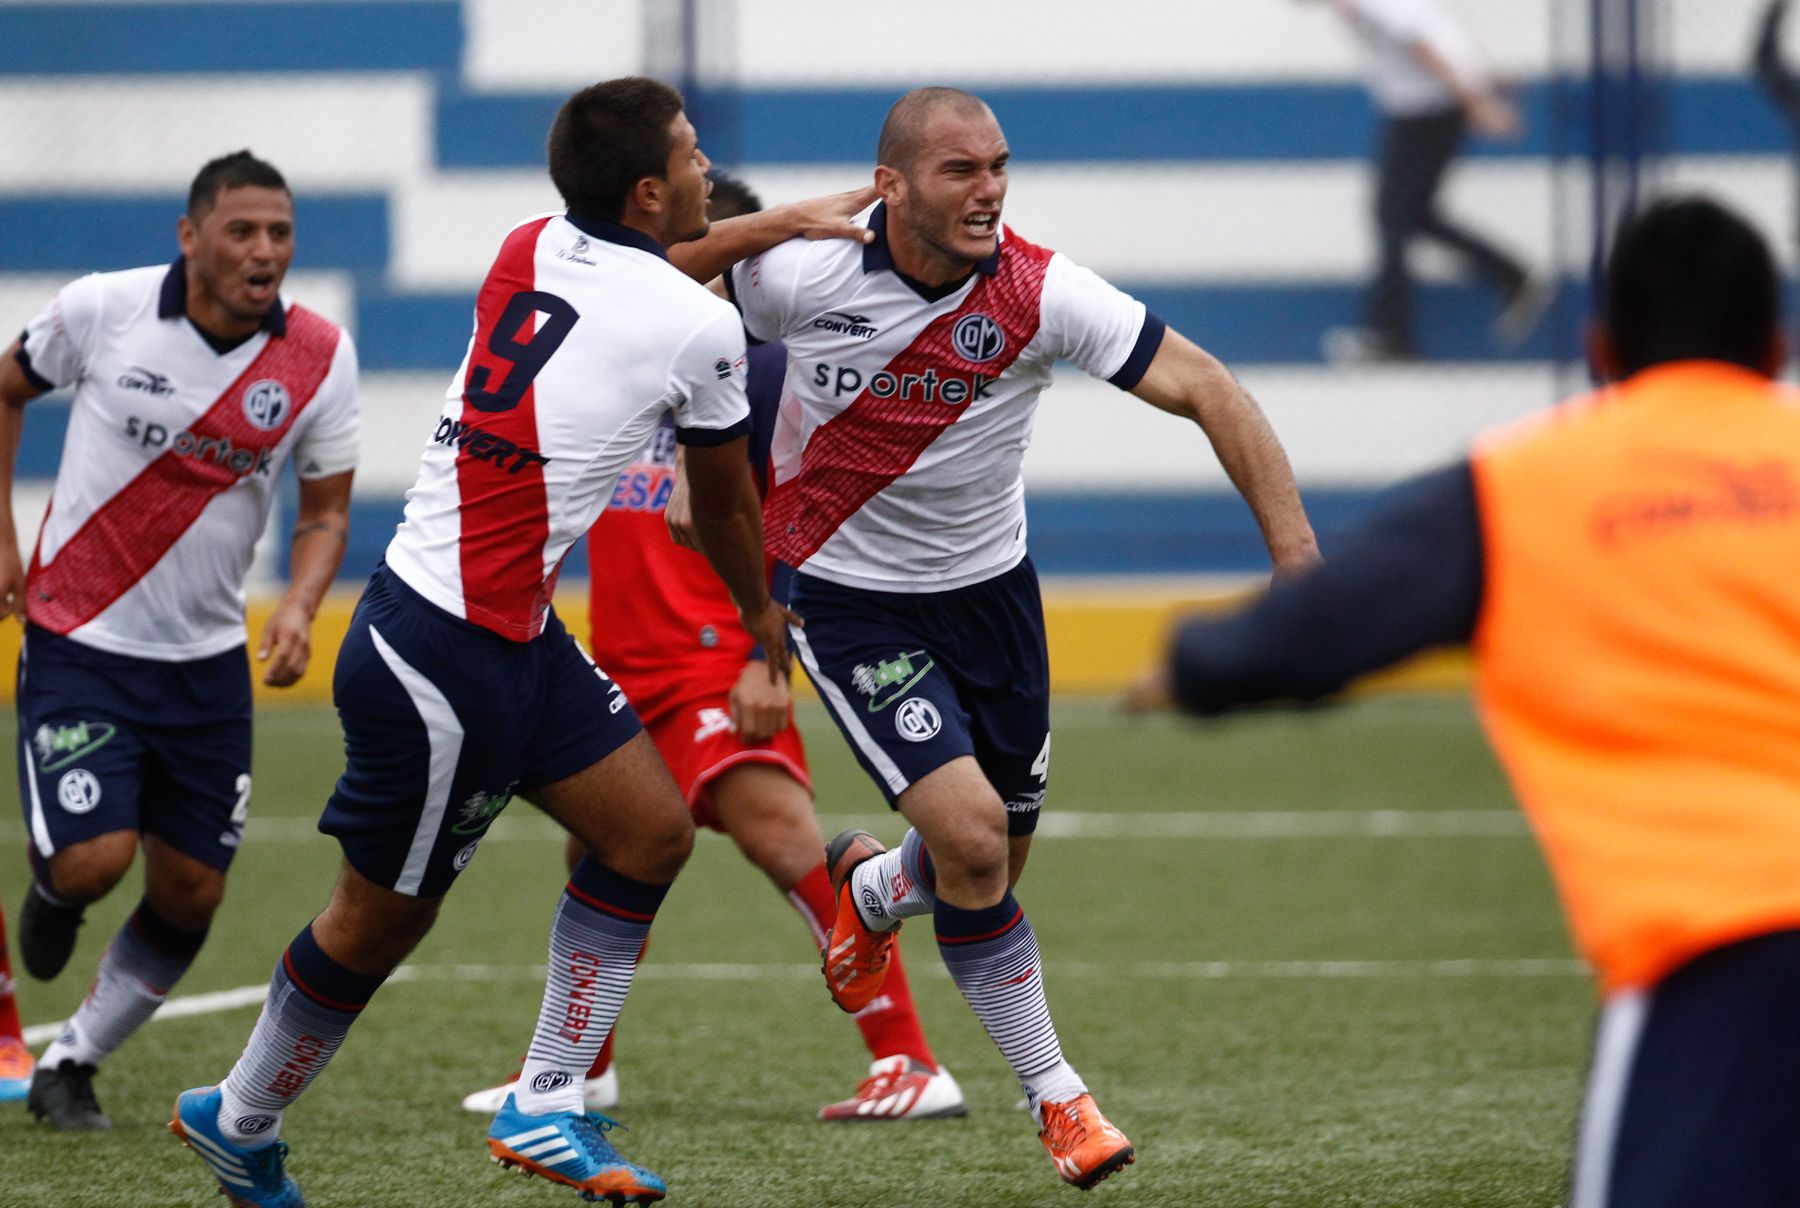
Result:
pixel 690 722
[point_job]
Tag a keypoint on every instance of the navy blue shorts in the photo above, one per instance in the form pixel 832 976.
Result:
pixel 915 680
pixel 1694 1096
pixel 109 742
pixel 443 722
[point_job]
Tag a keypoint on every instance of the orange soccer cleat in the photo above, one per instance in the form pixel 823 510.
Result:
pixel 855 957
pixel 1082 1143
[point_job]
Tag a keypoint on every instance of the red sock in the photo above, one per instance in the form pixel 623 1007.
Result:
pixel 603 1061
pixel 890 1024
pixel 9 1006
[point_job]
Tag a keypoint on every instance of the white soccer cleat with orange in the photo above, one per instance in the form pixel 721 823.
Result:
pixel 597 1094
pixel 899 1088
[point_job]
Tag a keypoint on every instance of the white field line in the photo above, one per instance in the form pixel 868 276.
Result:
pixel 1060 824
pixel 248 996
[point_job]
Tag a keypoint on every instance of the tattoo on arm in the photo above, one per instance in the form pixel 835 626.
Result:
pixel 321 526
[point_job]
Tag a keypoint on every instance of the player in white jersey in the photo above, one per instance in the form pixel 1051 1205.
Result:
pixel 915 363
pixel 457 685
pixel 194 384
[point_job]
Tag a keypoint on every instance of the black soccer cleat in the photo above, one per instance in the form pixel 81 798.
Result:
pixel 46 934
pixel 65 1097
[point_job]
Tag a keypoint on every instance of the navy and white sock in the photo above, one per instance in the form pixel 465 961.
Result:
pixel 899 884
pixel 138 969
pixel 992 956
pixel 601 926
pixel 312 1002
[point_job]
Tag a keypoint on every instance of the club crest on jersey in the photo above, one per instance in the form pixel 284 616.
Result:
pixel 890 679
pixel 266 404
pixel 977 338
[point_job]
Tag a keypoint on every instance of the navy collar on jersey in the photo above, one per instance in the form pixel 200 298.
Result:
pixel 172 303
pixel 877 257
pixel 616 232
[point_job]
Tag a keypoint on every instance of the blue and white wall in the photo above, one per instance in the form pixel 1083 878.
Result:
pixel 1209 156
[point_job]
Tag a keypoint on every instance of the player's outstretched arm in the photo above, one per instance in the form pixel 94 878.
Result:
pixel 15 391
pixel 1184 379
pixel 321 531
pixel 727 520
pixel 733 239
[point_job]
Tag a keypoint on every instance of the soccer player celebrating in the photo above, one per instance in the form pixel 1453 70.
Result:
pixel 457 685
pixel 194 383
pixel 915 363
pixel 1623 567
pixel 726 730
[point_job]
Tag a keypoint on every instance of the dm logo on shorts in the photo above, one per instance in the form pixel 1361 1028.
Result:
pixel 59 746
pixel 78 791
pixel 890 679
pixel 977 338
pixel 917 720
pixel 550 1080
pixel 461 860
pixel 266 404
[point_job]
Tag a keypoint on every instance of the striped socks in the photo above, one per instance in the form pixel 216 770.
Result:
pixel 992 956
pixel 312 1002
pixel 138 969
pixel 601 926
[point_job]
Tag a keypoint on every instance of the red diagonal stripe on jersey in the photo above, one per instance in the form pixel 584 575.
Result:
pixel 505 516
pixel 853 456
pixel 130 533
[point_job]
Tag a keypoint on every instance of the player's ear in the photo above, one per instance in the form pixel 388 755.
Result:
pixel 650 194
pixel 186 235
pixel 890 183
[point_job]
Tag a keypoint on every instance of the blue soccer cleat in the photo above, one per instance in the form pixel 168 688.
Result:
pixel 249 1177
pixel 570 1148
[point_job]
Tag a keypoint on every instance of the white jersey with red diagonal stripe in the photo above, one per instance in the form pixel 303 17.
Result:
pixel 907 410
pixel 585 336
pixel 169 466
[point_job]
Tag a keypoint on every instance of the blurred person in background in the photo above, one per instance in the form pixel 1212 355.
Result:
pixel 701 686
pixel 1624 566
pixel 194 383
pixel 1431 83
pixel 915 364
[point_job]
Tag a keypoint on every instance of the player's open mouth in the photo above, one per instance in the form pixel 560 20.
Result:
pixel 980 225
pixel 260 284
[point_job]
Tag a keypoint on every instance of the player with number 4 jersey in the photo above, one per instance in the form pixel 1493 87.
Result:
pixel 915 364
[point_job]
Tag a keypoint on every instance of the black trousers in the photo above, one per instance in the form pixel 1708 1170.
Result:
pixel 1694 1096
pixel 1415 152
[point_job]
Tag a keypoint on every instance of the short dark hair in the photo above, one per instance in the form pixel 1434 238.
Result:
pixel 233 171
pixel 731 197
pixel 1691 280
pixel 903 133
pixel 606 138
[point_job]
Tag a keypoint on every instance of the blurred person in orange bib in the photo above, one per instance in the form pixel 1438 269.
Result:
pixel 1624 567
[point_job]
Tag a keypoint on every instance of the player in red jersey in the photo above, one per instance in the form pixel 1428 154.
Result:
pixel 700 685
